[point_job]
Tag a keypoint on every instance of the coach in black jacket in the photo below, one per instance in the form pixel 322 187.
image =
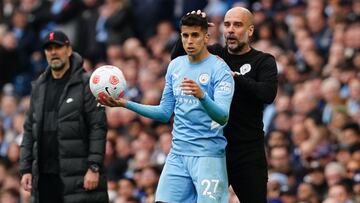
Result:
pixel 63 147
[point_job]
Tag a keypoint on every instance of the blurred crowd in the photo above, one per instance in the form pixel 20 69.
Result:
pixel 312 129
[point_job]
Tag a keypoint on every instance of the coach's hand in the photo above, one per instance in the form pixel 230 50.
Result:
pixel 91 180
pixel 106 100
pixel 190 87
pixel 203 14
pixel 26 182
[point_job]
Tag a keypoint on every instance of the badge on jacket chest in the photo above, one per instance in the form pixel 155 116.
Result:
pixel 245 69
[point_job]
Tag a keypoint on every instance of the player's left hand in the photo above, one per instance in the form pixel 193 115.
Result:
pixel 190 87
pixel 91 180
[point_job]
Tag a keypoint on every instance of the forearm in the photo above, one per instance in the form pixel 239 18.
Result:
pixel 97 143
pixel 26 154
pixel 217 112
pixel 265 91
pixel 26 146
pixel 153 112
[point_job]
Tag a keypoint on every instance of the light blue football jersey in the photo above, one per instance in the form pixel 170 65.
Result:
pixel 194 132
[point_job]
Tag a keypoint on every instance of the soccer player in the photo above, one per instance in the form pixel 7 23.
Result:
pixel 198 90
pixel 255 75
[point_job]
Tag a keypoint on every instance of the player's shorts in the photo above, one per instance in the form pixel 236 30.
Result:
pixel 187 179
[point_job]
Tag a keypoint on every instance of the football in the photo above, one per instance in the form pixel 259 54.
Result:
pixel 108 79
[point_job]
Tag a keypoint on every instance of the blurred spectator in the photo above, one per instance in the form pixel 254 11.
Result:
pixel 7 8
pixel 3 171
pixel 315 176
pixel 17 131
pixel 8 107
pixel 279 160
pixel 164 147
pixel 356 186
pixel 91 33
pixel 10 63
pixel 181 7
pixel 12 180
pixel 3 143
pixel 307 193
pixel 116 164
pixel 353 103
pixel 355 151
pixel 320 33
pixel 14 154
pixel 276 183
pixel 164 38
pixel 282 103
pixel 352 167
pixel 39 15
pixel 149 178
pixel 10 195
pixel 277 139
pixel 305 104
pixel 64 16
pixel 282 121
pixel 350 134
pixel 334 173
pixel 26 38
pixel 330 89
pixel 149 13
pixel 118 21
pixel 126 188
pixel 340 192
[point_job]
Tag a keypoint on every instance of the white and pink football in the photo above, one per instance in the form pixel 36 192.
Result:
pixel 108 79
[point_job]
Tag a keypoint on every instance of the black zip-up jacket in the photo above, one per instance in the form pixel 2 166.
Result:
pixel 255 88
pixel 81 136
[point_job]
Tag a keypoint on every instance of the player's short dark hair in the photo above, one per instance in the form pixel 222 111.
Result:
pixel 194 20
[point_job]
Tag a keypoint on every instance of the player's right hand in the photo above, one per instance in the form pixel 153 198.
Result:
pixel 106 100
pixel 26 182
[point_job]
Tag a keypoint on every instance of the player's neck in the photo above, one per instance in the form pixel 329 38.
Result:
pixel 197 58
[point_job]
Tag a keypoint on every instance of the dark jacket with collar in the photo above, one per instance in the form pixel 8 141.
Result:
pixel 81 135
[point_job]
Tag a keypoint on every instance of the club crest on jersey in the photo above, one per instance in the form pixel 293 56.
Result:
pixel 245 69
pixel 204 78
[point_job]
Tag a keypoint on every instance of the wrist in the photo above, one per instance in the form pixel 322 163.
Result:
pixel 202 97
pixel 25 171
pixel 124 103
pixel 95 168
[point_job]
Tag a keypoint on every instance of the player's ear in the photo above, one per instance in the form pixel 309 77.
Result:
pixel 207 37
pixel 250 30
